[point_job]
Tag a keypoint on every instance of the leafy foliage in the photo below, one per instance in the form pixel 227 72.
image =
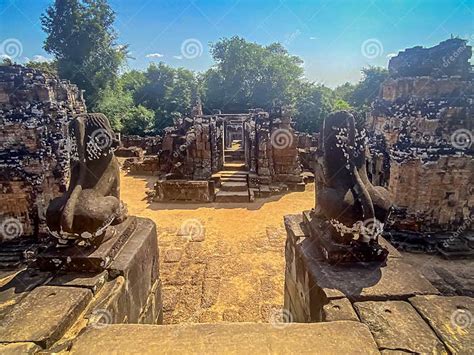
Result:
pixel 249 75
pixel 245 75
pixel 81 38
pixel 168 92
pixel 362 94
pixel 47 67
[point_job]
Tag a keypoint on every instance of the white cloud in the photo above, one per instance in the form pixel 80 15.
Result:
pixel 312 38
pixel 391 55
pixel 154 55
pixel 4 56
pixel 40 58
pixel 178 57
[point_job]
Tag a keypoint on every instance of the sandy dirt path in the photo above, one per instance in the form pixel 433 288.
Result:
pixel 219 262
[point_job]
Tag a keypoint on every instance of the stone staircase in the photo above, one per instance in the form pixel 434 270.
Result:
pixel 233 184
pixel 234 155
pixel 232 181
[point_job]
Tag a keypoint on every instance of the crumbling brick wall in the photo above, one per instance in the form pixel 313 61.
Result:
pixel 421 145
pixel 151 145
pixel 34 110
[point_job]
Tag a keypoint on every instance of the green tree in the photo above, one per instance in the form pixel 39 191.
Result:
pixel 80 35
pixel 361 95
pixel 115 103
pixel 248 75
pixel 313 105
pixel 47 67
pixel 168 92
pixel 138 121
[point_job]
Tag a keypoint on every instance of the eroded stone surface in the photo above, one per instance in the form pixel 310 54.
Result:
pixel 451 318
pixel 44 315
pixel 396 325
pixel 359 282
pixel 93 282
pixel 19 348
pixel 247 338
pixel 339 309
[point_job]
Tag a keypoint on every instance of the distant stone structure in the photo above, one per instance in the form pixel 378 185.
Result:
pixel 150 144
pixel 35 109
pixel 244 155
pixel 421 130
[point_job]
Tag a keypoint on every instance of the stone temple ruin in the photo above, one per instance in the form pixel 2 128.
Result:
pixel 227 158
pixel 421 142
pixel 79 274
pixel 34 112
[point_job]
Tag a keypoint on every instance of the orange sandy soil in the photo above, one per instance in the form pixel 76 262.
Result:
pixel 236 273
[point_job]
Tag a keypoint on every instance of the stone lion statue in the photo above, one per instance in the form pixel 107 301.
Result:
pixel 92 200
pixel 355 208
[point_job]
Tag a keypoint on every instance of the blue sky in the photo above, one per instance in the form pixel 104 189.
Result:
pixel 335 38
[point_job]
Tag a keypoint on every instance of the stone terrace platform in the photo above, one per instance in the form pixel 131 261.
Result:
pixel 402 309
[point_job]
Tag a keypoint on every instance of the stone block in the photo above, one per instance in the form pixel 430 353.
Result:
pixel 183 190
pixel 248 338
pixel 396 325
pixel 19 348
pixel 17 285
pixel 451 318
pixel 112 304
pixel 339 309
pixel 44 315
pixel 93 282
pixel 137 262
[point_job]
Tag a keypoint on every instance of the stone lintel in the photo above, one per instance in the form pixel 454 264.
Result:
pixel 236 338
pixel 44 315
pixel 451 318
pixel 396 325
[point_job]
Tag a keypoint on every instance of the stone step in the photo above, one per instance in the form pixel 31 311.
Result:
pixel 340 337
pixel 234 186
pixel 233 179
pixel 233 173
pixel 234 167
pixel 232 196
